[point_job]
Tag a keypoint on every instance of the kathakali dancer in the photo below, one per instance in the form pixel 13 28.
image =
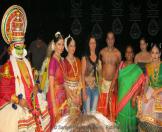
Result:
pixel 72 77
pixel 21 107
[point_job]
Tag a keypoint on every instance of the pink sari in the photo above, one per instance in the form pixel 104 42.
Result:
pixel 56 70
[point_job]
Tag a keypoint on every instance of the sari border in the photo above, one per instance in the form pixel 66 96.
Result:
pixel 127 97
pixel 145 118
pixel 153 121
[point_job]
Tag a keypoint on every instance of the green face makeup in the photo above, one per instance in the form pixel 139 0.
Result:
pixel 19 50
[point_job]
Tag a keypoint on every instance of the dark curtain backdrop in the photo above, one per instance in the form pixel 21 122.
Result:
pixel 129 19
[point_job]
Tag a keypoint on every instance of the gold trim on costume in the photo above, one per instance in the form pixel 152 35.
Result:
pixel 6 73
pixel 146 118
pixel 150 120
pixel 105 87
pixel 24 71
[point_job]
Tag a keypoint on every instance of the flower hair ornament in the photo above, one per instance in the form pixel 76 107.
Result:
pixel 53 45
pixel 65 41
pixel 57 34
pixel 160 44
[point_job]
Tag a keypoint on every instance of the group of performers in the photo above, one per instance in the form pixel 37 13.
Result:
pixel 128 93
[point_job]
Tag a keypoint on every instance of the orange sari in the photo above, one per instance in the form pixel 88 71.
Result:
pixel 73 85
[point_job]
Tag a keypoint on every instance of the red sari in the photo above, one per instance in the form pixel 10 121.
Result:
pixel 56 69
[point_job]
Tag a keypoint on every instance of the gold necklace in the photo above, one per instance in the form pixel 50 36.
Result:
pixel 58 60
pixel 155 72
pixel 76 65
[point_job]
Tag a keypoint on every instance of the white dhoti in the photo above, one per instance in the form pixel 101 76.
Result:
pixel 21 120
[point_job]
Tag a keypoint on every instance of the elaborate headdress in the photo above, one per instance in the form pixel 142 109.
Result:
pixel 14 25
pixel 65 41
pixel 58 34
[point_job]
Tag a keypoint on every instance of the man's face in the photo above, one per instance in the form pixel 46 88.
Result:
pixel 110 39
pixel 19 50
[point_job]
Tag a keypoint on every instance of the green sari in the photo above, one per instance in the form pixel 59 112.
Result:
pixel 130 79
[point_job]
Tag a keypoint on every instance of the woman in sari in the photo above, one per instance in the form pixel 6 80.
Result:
pixel 130 80
pixel 150 103
pixel 56 95
pixel 72 77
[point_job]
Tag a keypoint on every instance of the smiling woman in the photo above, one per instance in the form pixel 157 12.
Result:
pixel 73 82
pixel 149 103
pixel 56 95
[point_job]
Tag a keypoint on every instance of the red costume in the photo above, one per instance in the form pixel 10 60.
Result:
pixel 16 81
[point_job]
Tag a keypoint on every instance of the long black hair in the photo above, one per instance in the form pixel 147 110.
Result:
pixel 87 53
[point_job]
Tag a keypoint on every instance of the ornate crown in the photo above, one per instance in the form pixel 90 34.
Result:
pixel 14 24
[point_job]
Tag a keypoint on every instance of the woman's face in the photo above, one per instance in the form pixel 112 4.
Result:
pixel 155 54
pixel 59 46
pixel 143 45
pixel 92 44
pixel 129 54
pixel 71 47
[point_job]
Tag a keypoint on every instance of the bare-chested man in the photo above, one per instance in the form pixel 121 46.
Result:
pixel 110 57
